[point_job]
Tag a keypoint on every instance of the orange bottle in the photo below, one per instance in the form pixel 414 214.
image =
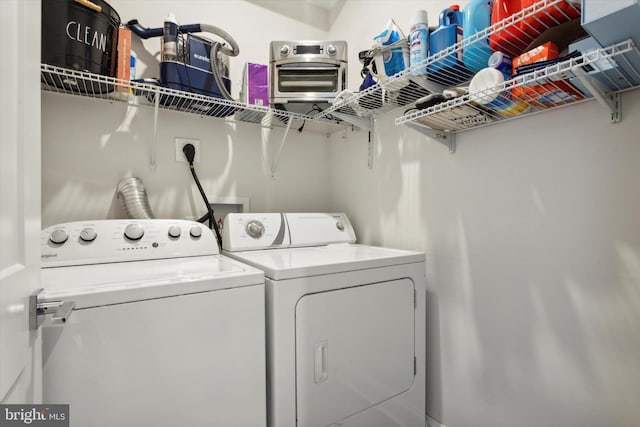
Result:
pixel 510 39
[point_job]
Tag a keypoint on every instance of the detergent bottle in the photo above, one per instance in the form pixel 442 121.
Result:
pixel 448 70
pixel 477 17
pixel 510 39
pixel 419 42
pixel 549 16
pixel 393 48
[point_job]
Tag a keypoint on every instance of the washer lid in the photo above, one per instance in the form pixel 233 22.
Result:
pixel 290 263
pixel 114 283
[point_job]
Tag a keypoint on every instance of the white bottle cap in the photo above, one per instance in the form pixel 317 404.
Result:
pixel 485 79
pixel 420 16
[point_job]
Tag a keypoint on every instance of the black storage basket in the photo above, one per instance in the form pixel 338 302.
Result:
pixel 81 35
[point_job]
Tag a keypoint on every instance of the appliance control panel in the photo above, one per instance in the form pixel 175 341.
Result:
pixel 307 50
pixel 109 241
pixel 252 231
pixel 247 231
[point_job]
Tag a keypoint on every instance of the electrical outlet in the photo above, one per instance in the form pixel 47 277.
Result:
pixel 181 142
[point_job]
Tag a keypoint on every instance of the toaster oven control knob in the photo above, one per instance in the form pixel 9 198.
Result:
pixel 134 232
pixel 255 229
pixel 195 232
pixel 331 50
pixel 88 234
pixel 58 236
pixel 285 50
pixel 174 231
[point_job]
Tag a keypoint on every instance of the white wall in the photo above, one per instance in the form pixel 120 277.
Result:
pixel 533 261
pixel 89 145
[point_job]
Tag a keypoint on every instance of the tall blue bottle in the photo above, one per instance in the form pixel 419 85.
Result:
pixel 477 17
pixel 450 69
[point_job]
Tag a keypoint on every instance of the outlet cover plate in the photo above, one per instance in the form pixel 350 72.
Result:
pixel 181 142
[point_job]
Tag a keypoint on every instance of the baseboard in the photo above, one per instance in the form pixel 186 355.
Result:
pixel 433 423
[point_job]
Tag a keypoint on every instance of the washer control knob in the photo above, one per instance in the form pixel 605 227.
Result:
pixel 255 229
pixel 195 232
pixel 88 234
pixel 134 232
pixel 331 50
pixel 174 231
pixel 285 50
pixel 58 236
pixel 340 225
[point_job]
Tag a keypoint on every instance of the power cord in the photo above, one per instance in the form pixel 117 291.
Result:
pixel 190 153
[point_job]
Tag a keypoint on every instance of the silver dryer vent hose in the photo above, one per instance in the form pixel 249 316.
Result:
pixel 133 198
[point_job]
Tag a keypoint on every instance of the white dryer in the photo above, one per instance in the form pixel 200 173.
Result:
pixel 165 331
pixel 345 322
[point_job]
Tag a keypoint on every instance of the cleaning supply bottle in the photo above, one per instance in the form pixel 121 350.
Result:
pixel 448 70
pixel 419 42
pixel 477 17
pixel 510 38
pixel 393 49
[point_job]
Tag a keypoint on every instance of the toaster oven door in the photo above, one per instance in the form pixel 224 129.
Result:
pixel 308 81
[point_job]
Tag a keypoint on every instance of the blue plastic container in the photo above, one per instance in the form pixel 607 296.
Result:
pixel 178 76
pixel 477 17
pixel 396 59
pixel 450 69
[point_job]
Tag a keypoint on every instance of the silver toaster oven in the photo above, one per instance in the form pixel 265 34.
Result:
pixel 308 72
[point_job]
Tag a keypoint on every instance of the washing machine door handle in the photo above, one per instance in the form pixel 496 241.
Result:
pixel 60 310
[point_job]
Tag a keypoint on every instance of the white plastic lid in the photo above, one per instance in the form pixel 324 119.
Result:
pixel 487 78
pixel 420 17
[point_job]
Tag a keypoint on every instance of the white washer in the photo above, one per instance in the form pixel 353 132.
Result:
pixel 345 322
pixel 165 332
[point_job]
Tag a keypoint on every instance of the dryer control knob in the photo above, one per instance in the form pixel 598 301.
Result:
pixel 88 234
pixel 134 232
pixel 331 50
pixel 340 225
pixel 284 50
pixel 58 236
pixel 255 229
pixel 195 232
pixel 174 231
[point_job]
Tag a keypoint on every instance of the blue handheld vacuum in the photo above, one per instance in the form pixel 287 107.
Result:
pixel 191 63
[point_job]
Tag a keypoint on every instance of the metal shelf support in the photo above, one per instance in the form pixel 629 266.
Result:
pixel 447 138
pixel 365 123
pixel 609 100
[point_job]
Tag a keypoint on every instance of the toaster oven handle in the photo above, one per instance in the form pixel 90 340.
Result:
pixel 303 83
pixel 321 63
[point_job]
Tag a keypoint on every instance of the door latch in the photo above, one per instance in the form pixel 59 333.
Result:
pixel 61 310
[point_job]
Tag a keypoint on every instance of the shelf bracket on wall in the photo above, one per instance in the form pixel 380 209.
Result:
pixel 609 100
pixel 422 81
pixel 365 123
pixel 444 137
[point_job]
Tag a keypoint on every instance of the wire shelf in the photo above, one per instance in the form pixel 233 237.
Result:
pixel 85 84
pixel 609 70
pixel 447 69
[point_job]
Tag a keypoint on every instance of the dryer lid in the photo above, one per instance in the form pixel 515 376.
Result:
pixel 290 263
